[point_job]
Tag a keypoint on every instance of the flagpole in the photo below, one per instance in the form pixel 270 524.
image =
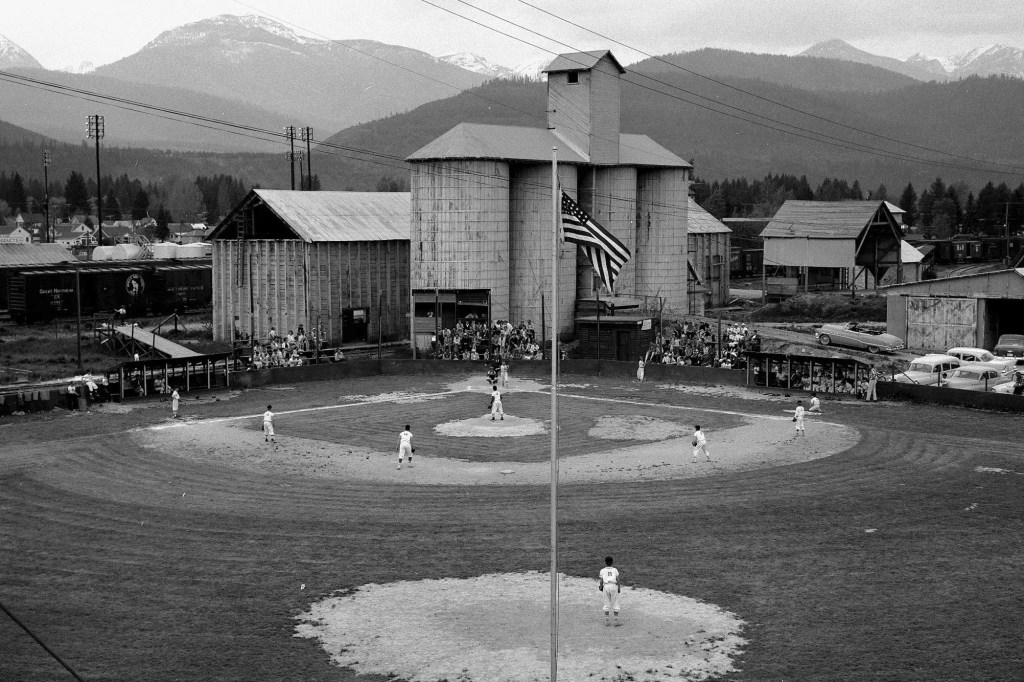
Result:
pixel 556 213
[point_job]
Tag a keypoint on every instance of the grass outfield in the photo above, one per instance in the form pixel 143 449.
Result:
pixel 145 565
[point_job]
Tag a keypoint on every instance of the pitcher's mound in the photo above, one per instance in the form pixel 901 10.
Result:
pixel 483 427
pixel 497 627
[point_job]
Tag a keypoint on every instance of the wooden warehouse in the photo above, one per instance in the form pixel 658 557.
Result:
pixel 482 205
pixel 829 245
pixel 337 262
pixel 969 310
pixel 709 244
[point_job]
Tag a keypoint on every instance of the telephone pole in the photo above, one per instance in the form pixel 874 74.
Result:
pixel 96 130
pixel 307 136
pixel 46 192
pixel 289 132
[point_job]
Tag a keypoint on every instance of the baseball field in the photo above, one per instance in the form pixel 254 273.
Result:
pixel 885 544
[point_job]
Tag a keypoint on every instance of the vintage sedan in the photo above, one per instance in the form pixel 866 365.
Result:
pixel 975 377
pixel 851 335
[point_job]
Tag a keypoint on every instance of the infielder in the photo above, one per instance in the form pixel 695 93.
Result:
pixel 405 448
pixel 609 585
pixel 700 444
pixel 268 425
pixel 496 404
pixel 815 404
pixel 640 372
pixel 174 403
pixel 798 417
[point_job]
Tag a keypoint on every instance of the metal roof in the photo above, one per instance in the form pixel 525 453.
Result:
pixel 34 254
pixel 515 143
pixel 909 254
pixel 821 219
pixel 339 216
pixel 701 222
pixel 580 61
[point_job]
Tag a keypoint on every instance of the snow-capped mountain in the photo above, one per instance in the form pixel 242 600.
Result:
pixel 326 84
pixel 989 60
pixel 80 67
pixel 13 56
pixel 477 64
pixel 533 70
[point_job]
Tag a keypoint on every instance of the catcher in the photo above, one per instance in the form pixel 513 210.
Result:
pixel 495 404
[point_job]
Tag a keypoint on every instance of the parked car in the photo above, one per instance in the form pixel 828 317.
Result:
pixel 851 335
pixel 973 377
pixel 1010 344
pixel 981 356
pixel 929 370
pixel 1006 387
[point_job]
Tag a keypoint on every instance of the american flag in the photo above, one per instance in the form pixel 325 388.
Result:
pixel 606 253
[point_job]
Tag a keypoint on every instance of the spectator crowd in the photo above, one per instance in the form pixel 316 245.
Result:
pixel 476 340
pixel 697 343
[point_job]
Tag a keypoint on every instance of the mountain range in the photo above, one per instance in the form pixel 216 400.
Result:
pixel 992 60
pixel 260 76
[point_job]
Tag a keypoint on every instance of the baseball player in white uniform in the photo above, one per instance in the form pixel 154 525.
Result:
pixel 496 404
pixel 174 403
pixel 700 444
pixel 640 372
pixel 504 374
pixel 610 586
pixel 405 448
pixel 268 425
pixel 798 417
pixel 815 404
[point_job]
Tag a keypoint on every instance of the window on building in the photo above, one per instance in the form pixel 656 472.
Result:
pixel 572 77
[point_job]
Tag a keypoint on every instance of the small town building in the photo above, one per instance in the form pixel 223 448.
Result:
pixel 621 337
pixel 15 235
pixel 828 246
pixel 968 310
pixel 336 263
pixel 708 247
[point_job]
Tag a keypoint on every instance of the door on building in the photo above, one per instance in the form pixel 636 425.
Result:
pixel 622 346
pixel 354 325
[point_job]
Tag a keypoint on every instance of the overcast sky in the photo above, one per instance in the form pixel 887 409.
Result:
pixel 59 33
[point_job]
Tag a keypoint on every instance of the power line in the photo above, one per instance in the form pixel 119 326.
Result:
pixel 805 133
pixel 767 99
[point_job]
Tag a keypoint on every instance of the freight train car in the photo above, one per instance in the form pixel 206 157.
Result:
pixel 143 287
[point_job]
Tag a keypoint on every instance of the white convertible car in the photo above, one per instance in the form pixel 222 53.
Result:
pixel 849 334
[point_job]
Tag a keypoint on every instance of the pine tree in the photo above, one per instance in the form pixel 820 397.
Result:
pixel 908 202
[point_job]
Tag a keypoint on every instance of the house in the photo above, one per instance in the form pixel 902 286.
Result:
pixel 913 266
pixel 30 220
pixel 482 209
pixel 337 262
pixel 829 245
pixel 15 235
pixel 968 310
pixel 69 234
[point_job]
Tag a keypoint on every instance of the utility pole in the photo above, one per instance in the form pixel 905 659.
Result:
pixel 307 135
pixel 289 132
pixel 46 192
pixel 96 130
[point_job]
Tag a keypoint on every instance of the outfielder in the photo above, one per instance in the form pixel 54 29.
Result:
pixel 405 448
pixel 798 417
pixel 609 585
pixel 700 444
pixel 268 425
pixel 495 404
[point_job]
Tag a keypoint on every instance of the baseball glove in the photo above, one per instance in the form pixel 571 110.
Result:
pixel 600 586
pixel 694 443
pixel 794 418
pixel 414 449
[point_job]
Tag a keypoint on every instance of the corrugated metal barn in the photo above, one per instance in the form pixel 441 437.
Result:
pixel 333 261
pixel 970 310
pixel 482 205
pixel 829 245
pixel 709 243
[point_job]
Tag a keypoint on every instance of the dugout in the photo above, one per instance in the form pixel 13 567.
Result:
pixel 806 373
